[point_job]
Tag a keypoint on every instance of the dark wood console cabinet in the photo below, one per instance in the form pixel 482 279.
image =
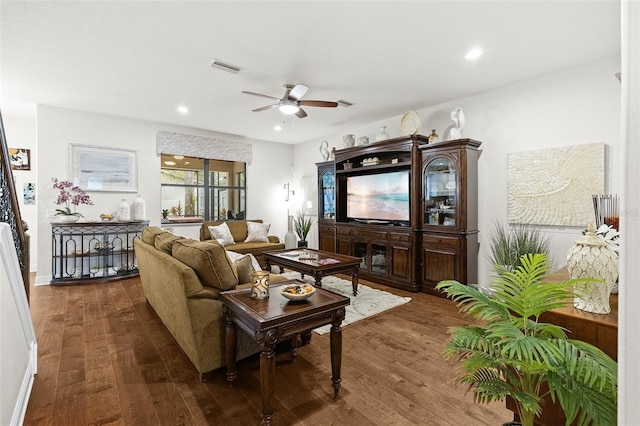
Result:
pixel 436 239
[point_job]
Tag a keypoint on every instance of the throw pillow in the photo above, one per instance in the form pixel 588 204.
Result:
pixel 257 232
pixel 209 261
pixel 221 234
pixel 235 256
pixel 245 268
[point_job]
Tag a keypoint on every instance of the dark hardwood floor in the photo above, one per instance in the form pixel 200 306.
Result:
pixel 104 358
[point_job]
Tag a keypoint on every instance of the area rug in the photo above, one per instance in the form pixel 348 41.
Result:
pixel 369 301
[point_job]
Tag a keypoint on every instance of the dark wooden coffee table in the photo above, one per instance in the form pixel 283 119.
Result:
pixel 316 263
pixel 276 319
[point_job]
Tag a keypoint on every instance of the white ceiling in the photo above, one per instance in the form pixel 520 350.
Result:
pixel 143 59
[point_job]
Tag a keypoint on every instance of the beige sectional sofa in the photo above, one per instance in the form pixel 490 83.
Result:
pixel 182 280
pixel 239 233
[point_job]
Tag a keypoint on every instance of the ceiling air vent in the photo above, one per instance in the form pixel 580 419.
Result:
pixel 344 103
pixel 216 63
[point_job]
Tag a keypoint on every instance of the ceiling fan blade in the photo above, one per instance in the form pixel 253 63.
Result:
pixel 301 113
pixel 264 108
pixel 298 91
pixel 261 95
pixel 325 104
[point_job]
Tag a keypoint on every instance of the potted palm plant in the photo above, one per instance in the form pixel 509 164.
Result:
pixel 302 225
pixel 511 353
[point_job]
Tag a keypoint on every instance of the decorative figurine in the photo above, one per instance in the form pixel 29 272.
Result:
pixel 324 150
pixel 457 116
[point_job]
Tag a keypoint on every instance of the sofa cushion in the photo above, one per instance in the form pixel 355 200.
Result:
pixel 150 233
pixel 238 230
pixel 165 241
pixel 221 234
pixel 209 261
pixel 257 232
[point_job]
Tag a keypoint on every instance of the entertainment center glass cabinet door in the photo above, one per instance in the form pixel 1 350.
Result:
pixel 449 212
pixel 326 206
pixel 94 251
pixel 440 198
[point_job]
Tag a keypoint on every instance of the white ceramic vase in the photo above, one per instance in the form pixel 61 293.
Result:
pixel 138 208
pixel 123 213
pixel 349 140
pixel 290 237
pixel 383 135
pixel 591 257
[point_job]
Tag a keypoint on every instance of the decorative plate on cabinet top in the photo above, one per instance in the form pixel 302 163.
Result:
pixel 410 123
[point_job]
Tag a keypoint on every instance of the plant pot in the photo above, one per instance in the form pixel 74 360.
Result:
pixel 303 243
pixel 65 218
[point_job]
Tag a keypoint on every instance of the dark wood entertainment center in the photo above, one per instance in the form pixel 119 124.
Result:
pixel 440 238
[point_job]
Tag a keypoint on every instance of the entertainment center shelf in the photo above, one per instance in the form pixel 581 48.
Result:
pixel 407 208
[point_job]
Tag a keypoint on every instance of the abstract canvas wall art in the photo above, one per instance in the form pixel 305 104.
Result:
pixel 555 186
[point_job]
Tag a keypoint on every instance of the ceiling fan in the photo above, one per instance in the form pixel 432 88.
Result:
pixel 291 103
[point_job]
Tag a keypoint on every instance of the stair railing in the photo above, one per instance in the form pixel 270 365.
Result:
pixel 10 210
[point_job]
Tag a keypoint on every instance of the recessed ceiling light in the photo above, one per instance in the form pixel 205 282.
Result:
pixel 178 157
pixel 169 163
pixel 183 109
pixel 277 127
pixel 473 54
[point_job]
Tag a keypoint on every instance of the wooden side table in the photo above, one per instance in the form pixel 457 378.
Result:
pixel 276 319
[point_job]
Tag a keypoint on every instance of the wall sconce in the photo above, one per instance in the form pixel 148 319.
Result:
pixel 287 192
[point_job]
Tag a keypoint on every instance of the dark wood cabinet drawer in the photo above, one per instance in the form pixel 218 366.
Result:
pixel 326 228
pixel 440 240
pixel 369 234
pixel 342 231
pixel 399 237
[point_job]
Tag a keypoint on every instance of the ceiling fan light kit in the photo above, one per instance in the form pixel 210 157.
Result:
pixel 288 107
pixel 291 103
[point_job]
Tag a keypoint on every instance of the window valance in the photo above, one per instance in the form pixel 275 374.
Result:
pixel 202 147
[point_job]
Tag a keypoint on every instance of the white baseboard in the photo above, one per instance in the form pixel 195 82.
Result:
pixel 43 280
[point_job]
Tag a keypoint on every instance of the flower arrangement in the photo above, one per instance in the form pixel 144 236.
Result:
pixel 70 194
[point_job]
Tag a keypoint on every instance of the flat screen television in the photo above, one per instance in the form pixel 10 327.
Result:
pixel 382 197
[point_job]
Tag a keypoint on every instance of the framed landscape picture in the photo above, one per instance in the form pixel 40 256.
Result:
pixel 96 168
pixel 20 158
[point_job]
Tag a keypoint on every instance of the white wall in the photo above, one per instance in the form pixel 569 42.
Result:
pixel 576 106
pixel 20 131
pixel 58 127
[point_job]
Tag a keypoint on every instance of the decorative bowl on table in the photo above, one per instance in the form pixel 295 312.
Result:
pixel 298 292
pixel 106 217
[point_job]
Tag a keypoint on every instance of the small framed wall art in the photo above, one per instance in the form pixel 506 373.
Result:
pixel 20 158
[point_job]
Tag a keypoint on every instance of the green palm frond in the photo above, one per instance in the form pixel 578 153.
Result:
pixel 512 353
